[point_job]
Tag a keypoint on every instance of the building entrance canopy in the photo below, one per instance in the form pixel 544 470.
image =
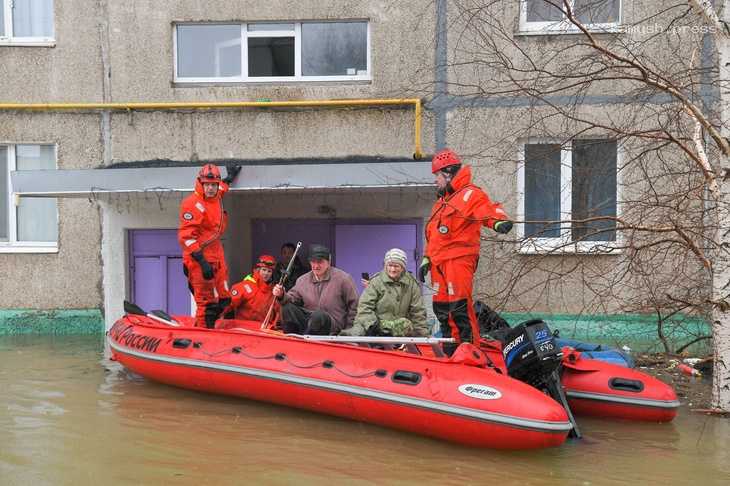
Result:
pixel 291 177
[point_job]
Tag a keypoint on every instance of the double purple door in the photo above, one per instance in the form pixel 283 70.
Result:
pixel 358 246
pixel 157 279
pixel 158 282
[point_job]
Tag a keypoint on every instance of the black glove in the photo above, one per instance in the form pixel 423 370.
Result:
pixel 204 265
pixel 376 330
pixel 232 173
pixel 423 269
pixel 503 227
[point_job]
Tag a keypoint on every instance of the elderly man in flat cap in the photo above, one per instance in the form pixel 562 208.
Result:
pixel 322 301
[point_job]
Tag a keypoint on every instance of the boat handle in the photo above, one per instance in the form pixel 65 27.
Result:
pixel 181 343
pixel 406 377
pixel 626 384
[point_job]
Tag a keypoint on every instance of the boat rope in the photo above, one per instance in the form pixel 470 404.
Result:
pixel 283 357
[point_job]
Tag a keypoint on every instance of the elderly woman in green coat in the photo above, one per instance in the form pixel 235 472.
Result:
pixel 391 304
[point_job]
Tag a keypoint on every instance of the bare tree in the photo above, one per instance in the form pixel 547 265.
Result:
pixel 646 91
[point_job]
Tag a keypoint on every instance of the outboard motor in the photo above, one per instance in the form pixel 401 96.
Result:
pixel 532 356
pixel 530 352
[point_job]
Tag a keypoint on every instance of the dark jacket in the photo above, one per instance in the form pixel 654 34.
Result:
pixel 335 294
pixel 297 270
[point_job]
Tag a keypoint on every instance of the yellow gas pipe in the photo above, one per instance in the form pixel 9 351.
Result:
pixel 416 102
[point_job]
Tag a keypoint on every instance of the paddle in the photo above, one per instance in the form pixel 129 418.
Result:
pixel 284 276
pixel 160 316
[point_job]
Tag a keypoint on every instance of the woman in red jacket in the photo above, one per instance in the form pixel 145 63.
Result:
pixel 452 245
pixel 202 223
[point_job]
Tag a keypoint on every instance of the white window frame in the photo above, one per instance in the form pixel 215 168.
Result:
pixel 13 245
pixel 563 243
pixel 296 33
pixel 10 40
pixel 564 26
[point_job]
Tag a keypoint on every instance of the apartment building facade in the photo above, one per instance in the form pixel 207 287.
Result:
pixel 92 184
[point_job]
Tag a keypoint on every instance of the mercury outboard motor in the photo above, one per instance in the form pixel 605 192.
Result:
pixel 532 356
pixel 530 352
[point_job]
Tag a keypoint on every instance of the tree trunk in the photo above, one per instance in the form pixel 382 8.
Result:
pixel 721 263
pixel 721 312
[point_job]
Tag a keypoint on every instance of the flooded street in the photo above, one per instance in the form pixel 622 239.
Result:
pixel 70 416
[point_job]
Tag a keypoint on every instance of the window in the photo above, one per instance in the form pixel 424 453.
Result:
pixel 26 22
pixel 266 52
pixel 548 16
pixel 28 223
pixel 557 183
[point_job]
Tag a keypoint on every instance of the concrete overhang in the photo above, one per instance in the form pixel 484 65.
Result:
pixel 299 177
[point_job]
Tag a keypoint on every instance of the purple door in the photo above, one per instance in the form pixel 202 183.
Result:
pixel 270 234
pixel 357 246
pixel 156 272
pixel 360 248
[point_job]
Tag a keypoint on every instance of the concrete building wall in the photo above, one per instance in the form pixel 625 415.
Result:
pixel 487 119
pixel 141 47
pixel 70 278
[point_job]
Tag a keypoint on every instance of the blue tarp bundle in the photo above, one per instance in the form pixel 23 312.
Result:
pixel 599 352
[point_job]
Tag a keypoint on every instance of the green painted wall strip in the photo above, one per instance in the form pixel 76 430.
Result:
pixel 61 321
pixel 638 331
pixel 634 330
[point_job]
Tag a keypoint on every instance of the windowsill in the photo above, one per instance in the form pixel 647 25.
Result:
pixel 12 43
pixel 558 247
pixel 6 248
pixel 614 29
pixel 182 83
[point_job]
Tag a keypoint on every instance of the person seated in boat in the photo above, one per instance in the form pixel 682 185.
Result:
pixel 298 268
pixel 323 301
pixel 391 304
pixel 252 296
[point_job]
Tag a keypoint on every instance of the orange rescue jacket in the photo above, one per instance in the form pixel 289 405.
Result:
pixel 456 219
pixel 202 223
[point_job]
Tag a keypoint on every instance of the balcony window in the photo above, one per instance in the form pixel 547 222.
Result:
pixel 272 52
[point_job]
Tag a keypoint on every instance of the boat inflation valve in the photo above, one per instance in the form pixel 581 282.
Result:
pixel 197 345
pixel 236 350
pixel 381 373
pixel 280 356
pixel 328 364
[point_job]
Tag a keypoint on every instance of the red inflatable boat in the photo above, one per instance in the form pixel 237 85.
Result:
pixel 603 389
pixel 600 389
pixel 460 399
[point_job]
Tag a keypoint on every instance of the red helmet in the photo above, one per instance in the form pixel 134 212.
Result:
pixel 209 173
pixel 265 261
pixel 444 158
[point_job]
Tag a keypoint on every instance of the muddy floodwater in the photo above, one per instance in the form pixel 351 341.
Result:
pixel 70 416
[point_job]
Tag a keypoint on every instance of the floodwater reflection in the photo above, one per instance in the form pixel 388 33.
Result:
pixel 70 416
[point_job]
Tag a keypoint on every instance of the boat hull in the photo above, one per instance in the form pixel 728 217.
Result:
pixel 601 389
pixel 469 405
pixel 598 388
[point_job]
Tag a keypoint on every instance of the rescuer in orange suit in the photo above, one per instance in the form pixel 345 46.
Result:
pixel 252 297
pixel 202 223
pixel 452 245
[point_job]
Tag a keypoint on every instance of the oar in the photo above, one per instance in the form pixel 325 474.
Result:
pixel 131 308
pixel 284 276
